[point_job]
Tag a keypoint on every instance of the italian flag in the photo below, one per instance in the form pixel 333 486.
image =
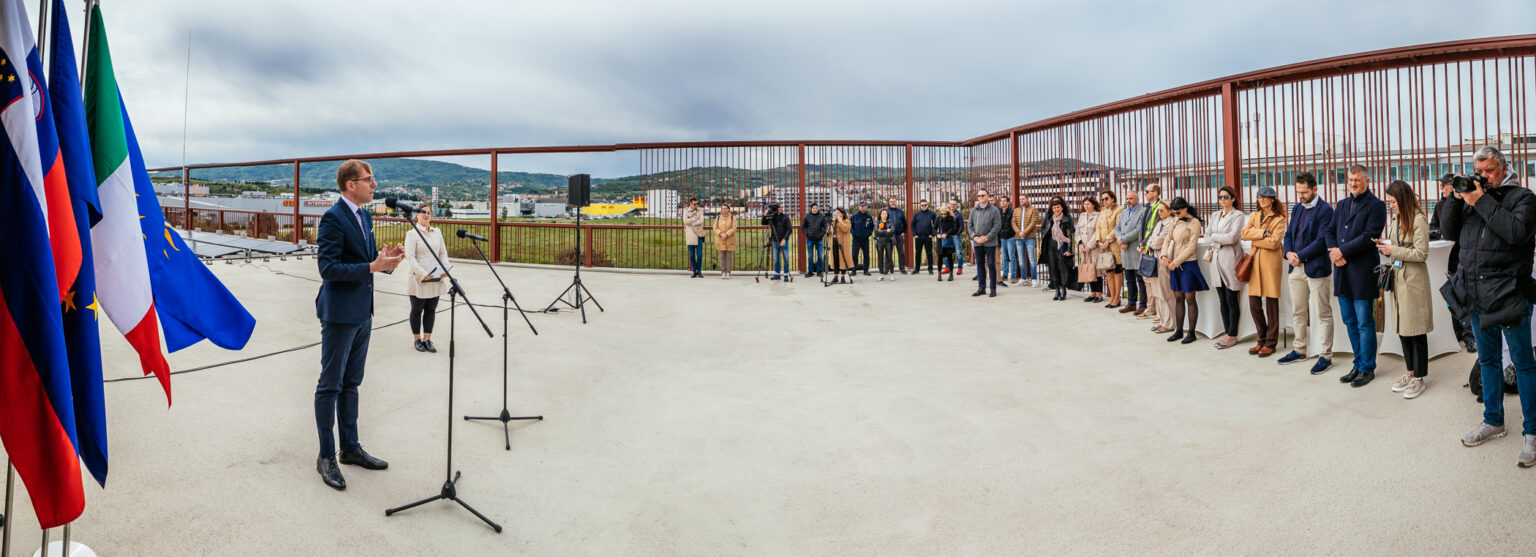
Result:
pixel 122 269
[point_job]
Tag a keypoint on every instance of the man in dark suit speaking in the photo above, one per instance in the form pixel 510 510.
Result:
pixel 348 259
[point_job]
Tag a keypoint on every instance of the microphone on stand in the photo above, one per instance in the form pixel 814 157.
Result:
pixel 465 234
pixel 403 207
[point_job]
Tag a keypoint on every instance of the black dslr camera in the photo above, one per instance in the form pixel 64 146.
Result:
pixel 1467 182
pixel 773 211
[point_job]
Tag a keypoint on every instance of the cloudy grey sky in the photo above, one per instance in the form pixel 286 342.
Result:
pixel 283 78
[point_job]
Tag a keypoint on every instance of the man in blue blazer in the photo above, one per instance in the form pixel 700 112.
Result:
pixel 348 259
pixel 1357 223
pixel 1306 249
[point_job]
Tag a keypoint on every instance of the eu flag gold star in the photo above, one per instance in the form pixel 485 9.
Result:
pixel 95 306
pixel 69 302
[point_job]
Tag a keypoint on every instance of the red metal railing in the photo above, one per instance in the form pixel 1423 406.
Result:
pixel 1408 113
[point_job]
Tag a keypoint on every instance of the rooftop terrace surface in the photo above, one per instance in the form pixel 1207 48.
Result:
pixel 712 417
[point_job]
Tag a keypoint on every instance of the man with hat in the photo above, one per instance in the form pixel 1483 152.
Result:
pixel 863 226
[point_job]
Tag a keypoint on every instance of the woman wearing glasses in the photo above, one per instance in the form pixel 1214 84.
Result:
pixel 1226 233
pixel 1109 247
pixel 1265 231
pixel 1087 242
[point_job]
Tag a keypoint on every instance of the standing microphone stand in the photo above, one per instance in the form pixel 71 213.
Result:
pixel 506 296
pixel 449 491
pixel 579 291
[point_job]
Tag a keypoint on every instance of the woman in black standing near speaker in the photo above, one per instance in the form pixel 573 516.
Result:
pixel 424 288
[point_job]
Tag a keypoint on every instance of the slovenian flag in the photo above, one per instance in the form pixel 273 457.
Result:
pixel 122 268
pixel 81 310
pixel 37 422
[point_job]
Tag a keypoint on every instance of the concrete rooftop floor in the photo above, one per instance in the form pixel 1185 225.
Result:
pixel 710 417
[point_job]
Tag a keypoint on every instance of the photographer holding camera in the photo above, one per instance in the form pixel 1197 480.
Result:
pixel 778 240
pixel 1493 220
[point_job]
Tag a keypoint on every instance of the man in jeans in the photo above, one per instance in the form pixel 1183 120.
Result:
pixel 1025 223
pixel 923 223
pixel 1357 223
pixel 985 223
pixel 1009 255
pixel 958 241
pixel 1495 225
pixel 1310 276
pixel 1128 230
pixel 863 225
pixel 778 240
pixel 814 227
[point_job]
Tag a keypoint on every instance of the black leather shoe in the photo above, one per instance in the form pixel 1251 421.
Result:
pixel 1189 338
pixel 430 347
pixel 1363 379
pixel 992 294
pixel 978 292
pixel 419 346
pixel 362 458
pixel 330 473
pixel 1350 377
pixel 1177 336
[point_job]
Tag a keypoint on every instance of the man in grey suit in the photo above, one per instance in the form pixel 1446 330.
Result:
pixel 1128 230
pixel 348 259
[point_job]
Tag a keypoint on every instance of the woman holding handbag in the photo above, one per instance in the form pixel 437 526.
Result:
pixel 1184 274
pixel 725 239
pixel 1087 242
pixel 1058 234
pixel 1225 232
pixel 1409 288
pixel 1161 291
pixel 1109 247
pixel 1265 230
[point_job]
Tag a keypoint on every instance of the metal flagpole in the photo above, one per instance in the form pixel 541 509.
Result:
pixel 42 27
pixel 5 539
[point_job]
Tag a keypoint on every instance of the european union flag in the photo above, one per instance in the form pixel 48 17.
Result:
pixel 192 303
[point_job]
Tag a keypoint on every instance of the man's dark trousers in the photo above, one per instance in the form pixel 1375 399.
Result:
pixel 923 244
pixel 343 352
pixel 861 247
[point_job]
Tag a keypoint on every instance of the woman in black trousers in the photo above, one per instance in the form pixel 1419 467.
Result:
pixel 1058 246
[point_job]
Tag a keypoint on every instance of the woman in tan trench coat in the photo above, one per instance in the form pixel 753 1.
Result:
pixel 1264 231
pixel 725 239
pixel 1114 275
pixel 842 245
pixel 1409 301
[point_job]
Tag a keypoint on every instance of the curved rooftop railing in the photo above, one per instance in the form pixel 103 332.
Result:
pixel 1409 113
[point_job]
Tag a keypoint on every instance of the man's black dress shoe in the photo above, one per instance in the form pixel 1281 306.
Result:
pixel 428 345
pixel 1363 379
pixel 362 458
pixel 992 294
pixel 1350 377
pixel 978 292
pixel 331 473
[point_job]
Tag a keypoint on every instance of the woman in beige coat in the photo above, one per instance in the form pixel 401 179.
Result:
pixel 1410 299
pixel 1184 275
pixel 423 284
pixel 1264 231
pixel 1161 293
pixel 1087 242
pixel 725 239
pixel 1109 216
pixel 693 235
pixel 841 232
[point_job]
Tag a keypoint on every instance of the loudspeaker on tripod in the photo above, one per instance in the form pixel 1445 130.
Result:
pixel 579 190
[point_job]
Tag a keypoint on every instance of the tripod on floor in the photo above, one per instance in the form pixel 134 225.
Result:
pixel 577 290
pixel 506 296
pixel 450 490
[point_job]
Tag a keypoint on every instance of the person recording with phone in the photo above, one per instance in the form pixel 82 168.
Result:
pixel 424 286
pixel 348 257
pixel 1493 220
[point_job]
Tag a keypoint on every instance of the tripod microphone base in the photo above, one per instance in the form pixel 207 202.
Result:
pixel 505 418
pixel 449 493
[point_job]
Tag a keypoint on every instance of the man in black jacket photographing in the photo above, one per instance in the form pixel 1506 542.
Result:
pixel 1493 220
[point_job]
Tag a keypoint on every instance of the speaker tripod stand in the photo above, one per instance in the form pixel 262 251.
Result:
pixel 578 291
pixel 506 416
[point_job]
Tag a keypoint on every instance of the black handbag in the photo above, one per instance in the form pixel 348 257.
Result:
pixel 1148 267
pixel 1385 278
